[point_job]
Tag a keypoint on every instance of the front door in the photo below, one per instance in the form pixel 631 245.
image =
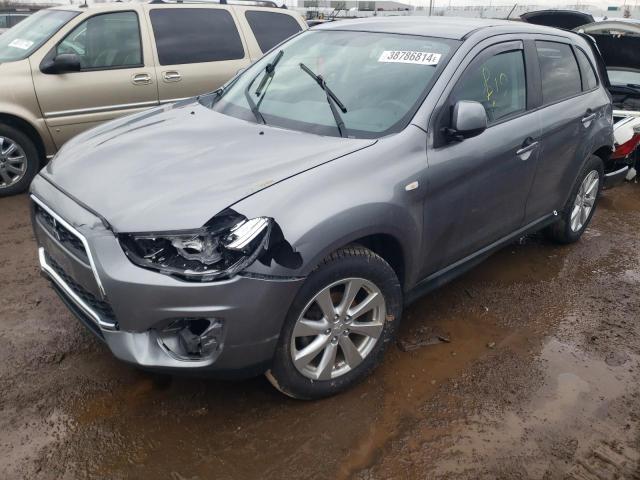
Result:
pixel 117 75
pixel 478 187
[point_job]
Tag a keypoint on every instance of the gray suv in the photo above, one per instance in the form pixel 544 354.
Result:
pixel 279 224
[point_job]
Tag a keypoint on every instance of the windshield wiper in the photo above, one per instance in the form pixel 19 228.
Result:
pixel 268 74
pixel 332 99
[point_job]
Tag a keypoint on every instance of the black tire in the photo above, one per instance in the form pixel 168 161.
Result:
pixel 349 262
pixel 32 160
pixel 561 231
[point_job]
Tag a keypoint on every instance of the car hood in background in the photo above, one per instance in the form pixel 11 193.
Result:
pixel 177 166
pixel 617 40
pixel 565 19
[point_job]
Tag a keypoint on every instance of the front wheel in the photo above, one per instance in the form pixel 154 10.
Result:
pixel 339 325
pixel 579 210
pixel 19 161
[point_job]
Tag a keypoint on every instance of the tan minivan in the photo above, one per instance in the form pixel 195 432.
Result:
pixel 66 69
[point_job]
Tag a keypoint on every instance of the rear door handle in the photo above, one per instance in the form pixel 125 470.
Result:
pixel 141 79
pixel 587 119
pixel 172 76
pixel 528 146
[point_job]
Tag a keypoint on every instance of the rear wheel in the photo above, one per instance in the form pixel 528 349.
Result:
pixel 581 206
pixel 339 325
pixel 19 161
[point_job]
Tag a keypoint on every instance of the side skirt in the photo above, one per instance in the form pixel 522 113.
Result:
pixel 445 275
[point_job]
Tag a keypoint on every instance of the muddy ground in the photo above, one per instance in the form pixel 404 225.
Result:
pixel 526 367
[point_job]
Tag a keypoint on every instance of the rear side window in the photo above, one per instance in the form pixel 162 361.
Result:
pixel 498 82
pixel 559 71
pixel 110 40
pixel 271 28
pixel 195 35
pixel 589 79
pixel 4 21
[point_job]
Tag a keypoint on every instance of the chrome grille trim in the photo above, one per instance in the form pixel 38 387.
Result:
pixel 80 237
pixel 106 325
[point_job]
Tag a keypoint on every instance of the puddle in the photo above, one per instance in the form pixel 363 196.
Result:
pixel 577 386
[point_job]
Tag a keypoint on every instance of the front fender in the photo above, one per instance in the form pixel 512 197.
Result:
pixel 335 204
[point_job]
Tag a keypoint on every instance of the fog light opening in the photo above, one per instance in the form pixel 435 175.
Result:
pixel 192 338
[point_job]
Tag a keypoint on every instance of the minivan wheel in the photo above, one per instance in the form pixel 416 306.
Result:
pixel 339 325
pixel 578 211
pixel 19 161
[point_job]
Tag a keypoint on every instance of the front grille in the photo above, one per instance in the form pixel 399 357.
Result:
pixel 103 309
pixel 61 233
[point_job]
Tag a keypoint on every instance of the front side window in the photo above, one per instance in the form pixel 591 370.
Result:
pixel 110 40
pixel 271 28
pixel 559 71
pixel 195 35
pixel 25 38
pixel 498 83
pixel 589 79
pixel 380 79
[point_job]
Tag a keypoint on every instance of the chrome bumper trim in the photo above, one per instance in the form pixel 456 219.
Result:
pixel 71 294
pixel 80 237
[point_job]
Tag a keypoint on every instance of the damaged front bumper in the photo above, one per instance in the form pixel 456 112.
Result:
pixel 228 327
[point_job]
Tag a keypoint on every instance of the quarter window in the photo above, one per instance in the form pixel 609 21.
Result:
pixel 110 40
pixel 271 28
pixel 559 71
pixel 195 35
pixel 498 83
pixel 589 79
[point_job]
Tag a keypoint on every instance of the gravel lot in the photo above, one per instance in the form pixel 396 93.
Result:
pixel 526 367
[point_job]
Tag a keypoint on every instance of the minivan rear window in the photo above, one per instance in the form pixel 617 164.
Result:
pixel 195 35
pixel 271 28
pixel 559 71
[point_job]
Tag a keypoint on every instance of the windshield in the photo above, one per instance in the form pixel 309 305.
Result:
pixel 624 77
pixel 20 41
pixel 379 78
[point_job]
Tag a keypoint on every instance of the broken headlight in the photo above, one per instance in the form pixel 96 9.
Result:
pixel 225 246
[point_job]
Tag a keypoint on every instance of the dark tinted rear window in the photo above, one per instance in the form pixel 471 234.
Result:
pixel 559 71
pixel 271 28
pixel 589 79
pixel 195 35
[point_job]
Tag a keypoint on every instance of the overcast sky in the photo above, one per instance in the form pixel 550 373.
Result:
pixel 602 4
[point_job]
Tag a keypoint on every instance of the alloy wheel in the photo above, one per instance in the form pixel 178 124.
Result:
pixel 338 328
pixel 585 199
pixel 13 162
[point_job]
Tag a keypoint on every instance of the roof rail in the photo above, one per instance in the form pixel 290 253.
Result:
pixel 255 3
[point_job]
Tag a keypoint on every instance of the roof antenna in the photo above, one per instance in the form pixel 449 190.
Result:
pixel 514 7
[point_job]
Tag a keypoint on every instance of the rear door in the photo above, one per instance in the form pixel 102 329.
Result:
pixel 117 75
pixel 198 48
pixel 478 186
pixel 572 106
pixel 265 28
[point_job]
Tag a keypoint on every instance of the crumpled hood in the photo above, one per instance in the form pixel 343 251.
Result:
pixel 177 166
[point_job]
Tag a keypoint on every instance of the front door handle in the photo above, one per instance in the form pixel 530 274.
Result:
pixel 528 146
pixel 141 79
pixel 172 76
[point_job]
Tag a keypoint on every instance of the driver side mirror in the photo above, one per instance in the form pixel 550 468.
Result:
pixel 63 63
pixel 468 119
